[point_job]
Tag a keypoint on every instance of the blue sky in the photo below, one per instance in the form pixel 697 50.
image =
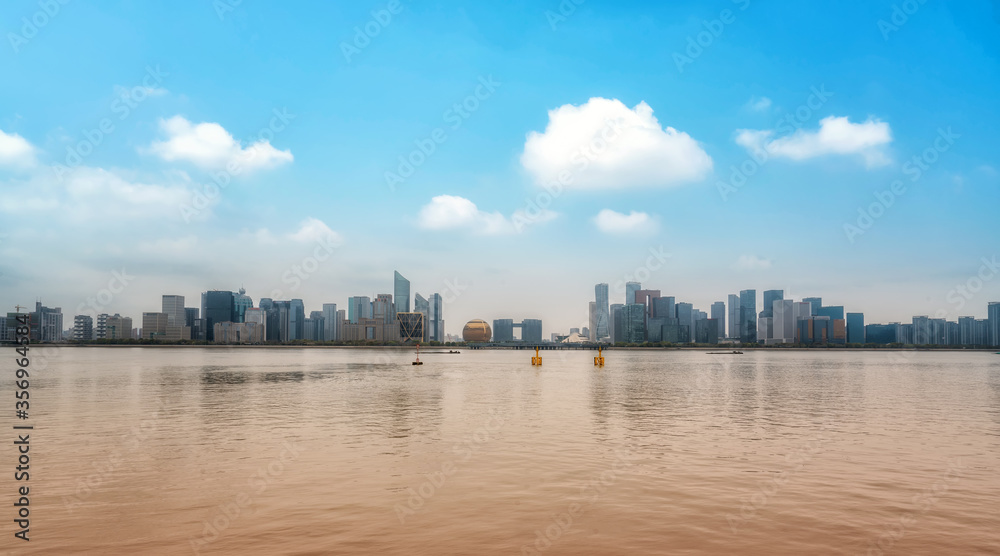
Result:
pixel 187 89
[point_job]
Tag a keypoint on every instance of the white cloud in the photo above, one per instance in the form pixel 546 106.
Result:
pixel 313 230
pixel 611 222
pixel 15 150
pixel 603 144
pixel 450 212
pixel 209 145
pixel 751 262
pixel 759 104
pixel 836 135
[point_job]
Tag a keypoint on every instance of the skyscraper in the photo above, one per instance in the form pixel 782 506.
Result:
pixel 437 318
pixel 173 306
pixel 718 311
pixel 855 328
pixel 422 306
pixel 296 320
pixel 216 306
pixel 993 320
pixel 592 321
pixel 383 309
pixel 835 312
pixel 401 293
pixel 734 316
pixel 770 296
pixel 83 328
pixel 748 316
pixel 633 323
pixel 685 317
pixel 531 331
pixel 630 289
pixel 331 323
pixel 783 320
pixel 241 302
pixel 359 307
pixel 503 330
pixel 603 331
pixel 615 315
pixel 815 302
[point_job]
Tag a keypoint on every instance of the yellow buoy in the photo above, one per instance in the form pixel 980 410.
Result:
pixel 536 360
pixel 599 360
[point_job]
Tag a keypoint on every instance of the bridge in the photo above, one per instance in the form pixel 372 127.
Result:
pixel 530 346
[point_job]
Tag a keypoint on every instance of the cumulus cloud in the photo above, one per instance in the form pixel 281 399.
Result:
pixel 759 104
pixel 611 222
pixel 15 150
pixel 314 230
pixel 603 144
pixel 751 262
pixel 450 212
pixel 209 145
pixel 836 135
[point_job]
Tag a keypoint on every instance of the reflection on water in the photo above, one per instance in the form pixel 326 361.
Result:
pixel 330 451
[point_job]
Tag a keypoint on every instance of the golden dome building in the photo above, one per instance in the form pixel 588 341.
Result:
pixel 477 331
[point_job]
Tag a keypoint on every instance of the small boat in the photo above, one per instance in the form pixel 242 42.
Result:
pixel 418 361
pixel 734 352
pixel 453 351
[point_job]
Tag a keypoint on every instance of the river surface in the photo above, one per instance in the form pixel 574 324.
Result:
pixel 354 451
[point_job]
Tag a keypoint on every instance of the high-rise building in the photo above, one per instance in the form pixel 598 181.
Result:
pixel 882 334
pixel 503 330
pixel 855 328
pixel 216 306
pixel 966 331
pixel 707 331
pixel 630 289
pixel 685 317
pixel 331 323
pixel 83 328
pixel 816 303
pixel 173 306
pixel 241 302
pixel 765 329
pixel 411 326
pixel 46 324
pixel 101 327
pixel 602 326
pixel 646 297
pixel 401 291
pixel 119 327
pixel 663 307
pixel 614 315
pixel 256 317
pixel 154 326
pixel 748 316
pixel 296 320
pixel 383 309
pixel 921 330
pixel 359 308
pixel 835 312
pixel 993 323
pixel 633 323
pixel 315 327
pixel 718 311
pixel 734 316
pixel 531 331
pixel 783 320
pixel 770 296
pixel 436 323
pixel 422 306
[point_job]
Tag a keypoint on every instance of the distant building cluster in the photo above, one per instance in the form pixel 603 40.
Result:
pixel 230 318
pixel 647 316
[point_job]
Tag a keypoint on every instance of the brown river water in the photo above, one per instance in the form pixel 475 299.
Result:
pixel 351 451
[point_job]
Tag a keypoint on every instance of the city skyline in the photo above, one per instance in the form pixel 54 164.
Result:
pixel 826 171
